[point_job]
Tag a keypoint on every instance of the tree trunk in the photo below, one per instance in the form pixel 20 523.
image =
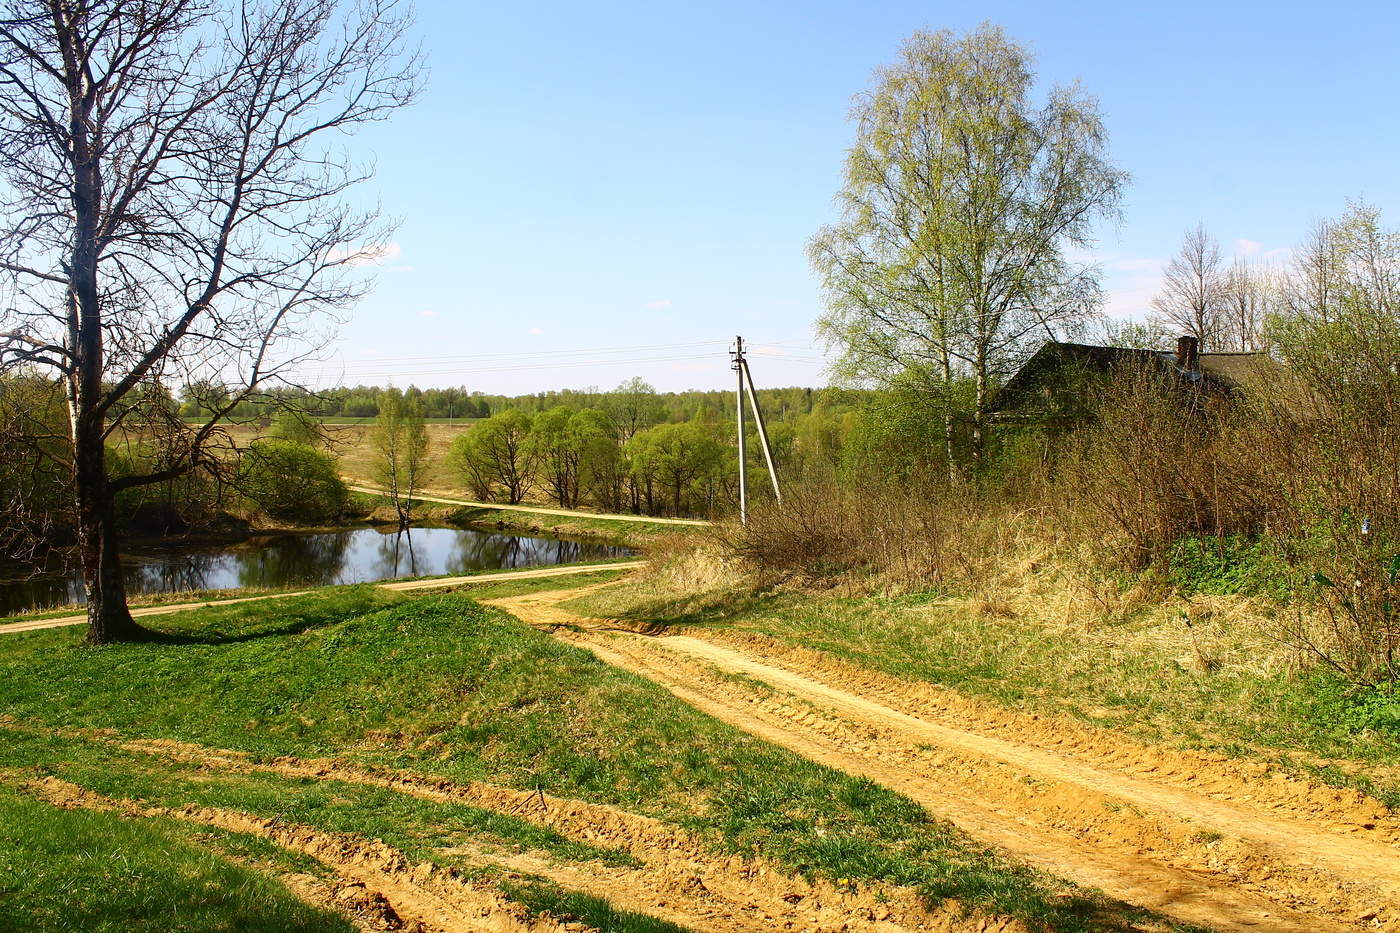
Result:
pixel 979 416
pixel 949 451
pixel 109 619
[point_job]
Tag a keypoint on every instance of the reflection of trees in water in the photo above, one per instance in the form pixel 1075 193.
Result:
pixel 303 560
pixel 295 559
pixel 171 573
pixel 21 589
pixel 478 550
pixel 397 557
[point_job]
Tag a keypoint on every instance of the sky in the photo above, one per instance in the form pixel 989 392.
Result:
pixel 591 192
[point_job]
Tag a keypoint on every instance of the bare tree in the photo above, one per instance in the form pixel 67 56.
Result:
pixel 1250 291
pixel 1193 294
pixel 171 214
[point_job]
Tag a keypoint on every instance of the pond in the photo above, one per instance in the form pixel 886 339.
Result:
pixel 355 555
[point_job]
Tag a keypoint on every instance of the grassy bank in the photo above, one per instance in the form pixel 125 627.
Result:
pixel 440 686
pixel 1201 672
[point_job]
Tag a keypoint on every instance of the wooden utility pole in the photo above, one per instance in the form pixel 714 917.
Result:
pixel 737 357
pixel 741 366
pixel 762 433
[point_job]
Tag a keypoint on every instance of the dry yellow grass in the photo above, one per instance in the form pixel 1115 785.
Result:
pixel 350 443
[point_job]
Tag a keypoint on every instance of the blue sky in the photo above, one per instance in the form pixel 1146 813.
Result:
pixel 643 178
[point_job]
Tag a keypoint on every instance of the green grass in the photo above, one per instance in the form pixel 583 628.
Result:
pixel 1134 675
pixel 94 872
pixel 540 895
pixel 440 685
pixel 421 829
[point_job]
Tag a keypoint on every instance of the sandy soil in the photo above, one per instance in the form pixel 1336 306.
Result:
pixel 1198 837
pixel 677 878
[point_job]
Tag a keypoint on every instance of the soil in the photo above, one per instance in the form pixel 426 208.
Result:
pixel 678 877
pixel 373 882
pixel 1204 839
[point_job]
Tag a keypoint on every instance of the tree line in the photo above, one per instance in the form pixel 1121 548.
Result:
pixel 196 399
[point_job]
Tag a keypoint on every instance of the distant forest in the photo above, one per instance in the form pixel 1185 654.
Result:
pixel 455 402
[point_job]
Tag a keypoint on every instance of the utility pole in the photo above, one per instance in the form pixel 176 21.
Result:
pixel 737 364
pixel 762 434
pixel 741 366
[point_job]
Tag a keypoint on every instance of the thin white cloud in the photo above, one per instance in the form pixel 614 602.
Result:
pixel 1247 247
pixel 427 313
pixel 536 331
pixel 769 351
pixel 659 304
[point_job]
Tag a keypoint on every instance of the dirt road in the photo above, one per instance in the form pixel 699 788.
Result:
pixel 1199 837
pixel 537 509
pixel 398 587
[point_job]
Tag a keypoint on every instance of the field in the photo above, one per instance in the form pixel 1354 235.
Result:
pixel 349 440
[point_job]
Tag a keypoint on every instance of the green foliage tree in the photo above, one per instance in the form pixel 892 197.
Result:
pixel 674 457
pixel 400 441
pixel 497 455
pixel 602 471
pixel 297 425
pixel 35 499
pixel 292 482
pixel 961 195
pixel 556 452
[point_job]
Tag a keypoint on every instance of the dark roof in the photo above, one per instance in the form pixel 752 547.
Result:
pixel 1219 372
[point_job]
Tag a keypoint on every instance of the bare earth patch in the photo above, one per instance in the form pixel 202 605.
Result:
pixel 1199 837
pixel 679 879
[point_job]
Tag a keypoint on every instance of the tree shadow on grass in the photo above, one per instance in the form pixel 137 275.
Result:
pixel 273 622
pixel 663 614
pixel 217 637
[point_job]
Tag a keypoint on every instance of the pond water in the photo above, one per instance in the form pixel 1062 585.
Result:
pixel 355 555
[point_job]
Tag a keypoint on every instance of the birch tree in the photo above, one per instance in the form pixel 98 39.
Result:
pixel 961 198
pixel 400 443
pixel 171 212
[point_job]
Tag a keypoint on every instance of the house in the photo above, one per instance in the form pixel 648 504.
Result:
pixel 1055 384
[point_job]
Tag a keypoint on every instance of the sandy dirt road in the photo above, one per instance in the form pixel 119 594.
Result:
pixel 536 509
pixel 1201 838
pixel 401 586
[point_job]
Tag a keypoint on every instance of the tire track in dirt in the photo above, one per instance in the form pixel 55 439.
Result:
pixel 679 879
pixel 1150 842
pixel 1257 785
pixel 373 878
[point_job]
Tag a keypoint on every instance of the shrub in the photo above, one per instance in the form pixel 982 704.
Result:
pixel 170 507
pixel 292 482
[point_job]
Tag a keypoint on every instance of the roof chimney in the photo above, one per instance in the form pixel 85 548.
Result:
pixel 1187 353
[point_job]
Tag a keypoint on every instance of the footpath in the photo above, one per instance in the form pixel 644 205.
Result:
pixel 396 586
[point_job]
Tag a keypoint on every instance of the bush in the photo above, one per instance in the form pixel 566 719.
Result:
pixel 292 482
pixel 172 507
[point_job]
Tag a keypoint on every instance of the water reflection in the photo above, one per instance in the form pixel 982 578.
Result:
pixel 356 555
